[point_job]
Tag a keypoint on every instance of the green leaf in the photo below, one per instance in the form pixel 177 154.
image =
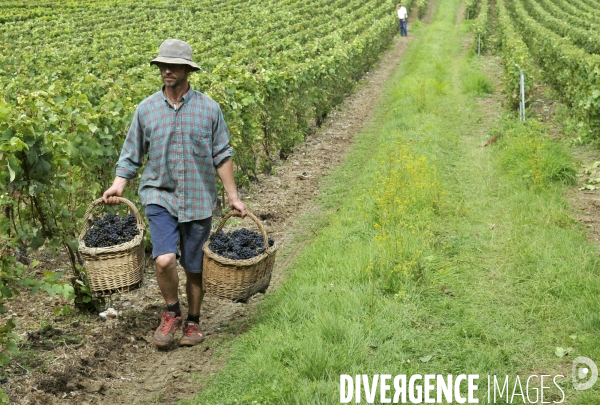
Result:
pixel 425 359
pixel 58 289
pixel 34 288
pixel 65 290
pixel 12 347
pixel 559 352
pixel 73 244
pixel 41 166
pixel 17 145
pixel 6 292
pixel 247 100
pixel 4 359
pixel 14 167
pixel 36 242
pixel 48 274
pixel 11 172
pixel 4 110
pixel 4 400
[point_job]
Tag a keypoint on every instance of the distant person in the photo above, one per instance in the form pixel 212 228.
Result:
pixel 403 18
pixel 183 133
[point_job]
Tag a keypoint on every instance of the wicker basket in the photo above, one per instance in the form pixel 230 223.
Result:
pixel 237 280
pixel 117 268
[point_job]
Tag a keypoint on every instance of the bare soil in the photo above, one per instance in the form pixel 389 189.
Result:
pixel 87 359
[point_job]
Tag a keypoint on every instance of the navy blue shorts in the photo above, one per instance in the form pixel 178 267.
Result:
pixel 167 233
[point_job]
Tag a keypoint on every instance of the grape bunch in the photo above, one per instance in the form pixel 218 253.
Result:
pixel 111 230
pixel 241 244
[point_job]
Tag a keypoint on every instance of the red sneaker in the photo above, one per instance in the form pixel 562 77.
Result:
pixel 192 334
pixel 169 323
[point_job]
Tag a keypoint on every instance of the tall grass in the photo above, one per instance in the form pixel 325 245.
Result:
pixel 478 83
pixel 529 153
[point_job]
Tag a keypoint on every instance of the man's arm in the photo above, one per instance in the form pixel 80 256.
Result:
pixel 225 172
pixel 129 162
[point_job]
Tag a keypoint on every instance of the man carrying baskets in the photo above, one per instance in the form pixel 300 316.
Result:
pixel 184 135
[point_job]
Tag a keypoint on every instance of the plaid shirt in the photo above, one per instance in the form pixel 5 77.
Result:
pixel 184 146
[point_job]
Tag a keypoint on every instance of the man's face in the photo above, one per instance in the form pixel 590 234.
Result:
pixel 173 75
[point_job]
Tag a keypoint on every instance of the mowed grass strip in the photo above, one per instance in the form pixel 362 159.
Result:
pixel 431 255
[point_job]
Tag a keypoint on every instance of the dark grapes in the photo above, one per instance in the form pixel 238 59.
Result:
pixel 241 244
pixel 111 230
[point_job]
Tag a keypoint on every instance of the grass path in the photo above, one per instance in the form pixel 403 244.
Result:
pixel 431 255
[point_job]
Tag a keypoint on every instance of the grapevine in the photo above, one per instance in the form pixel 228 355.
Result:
pixel 573 72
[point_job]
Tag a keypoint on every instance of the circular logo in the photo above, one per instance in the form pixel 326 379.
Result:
pixel 584 372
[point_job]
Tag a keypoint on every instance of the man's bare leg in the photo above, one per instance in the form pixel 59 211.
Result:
pixel 195 293
pixel 192 333
pixel 167 277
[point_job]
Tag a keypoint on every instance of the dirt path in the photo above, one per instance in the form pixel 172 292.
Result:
pixel 98 361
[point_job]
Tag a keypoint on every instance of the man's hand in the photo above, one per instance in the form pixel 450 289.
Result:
pixel 225 172
pixel 239 206
pixel 115 190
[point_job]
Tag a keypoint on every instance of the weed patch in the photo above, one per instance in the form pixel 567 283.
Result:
pixel 531 155
pixel 406 193
pixel 478 84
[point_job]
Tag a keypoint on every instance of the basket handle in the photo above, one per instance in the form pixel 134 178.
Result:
pixel 140 222
pixel 252 217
